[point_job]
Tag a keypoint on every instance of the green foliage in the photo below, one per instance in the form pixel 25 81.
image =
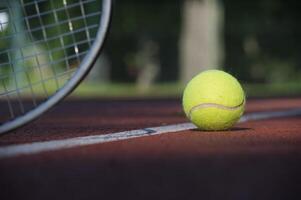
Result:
pixel 135 22
pixel 263 40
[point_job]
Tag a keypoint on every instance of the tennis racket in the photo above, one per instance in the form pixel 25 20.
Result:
pixel 47 47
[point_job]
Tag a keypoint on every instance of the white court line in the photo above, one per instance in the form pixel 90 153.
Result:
pixel 38 147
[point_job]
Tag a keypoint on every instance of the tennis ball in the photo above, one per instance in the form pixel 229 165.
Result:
pixel 213 100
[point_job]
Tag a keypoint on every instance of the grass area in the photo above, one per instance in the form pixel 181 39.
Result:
pixel 128 90
pixel 115 90
pixel 273 89
pixel 176 89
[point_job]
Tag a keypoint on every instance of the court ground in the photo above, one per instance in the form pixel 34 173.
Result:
pixel 88 150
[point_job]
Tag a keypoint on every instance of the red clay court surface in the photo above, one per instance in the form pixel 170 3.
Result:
pixel 255 160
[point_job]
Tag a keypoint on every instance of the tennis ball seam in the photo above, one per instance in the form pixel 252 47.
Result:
pixel 214 105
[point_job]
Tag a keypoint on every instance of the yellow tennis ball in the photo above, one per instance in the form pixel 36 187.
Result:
pixel 213 100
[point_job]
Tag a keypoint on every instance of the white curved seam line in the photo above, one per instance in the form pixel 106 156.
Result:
pixel 213 105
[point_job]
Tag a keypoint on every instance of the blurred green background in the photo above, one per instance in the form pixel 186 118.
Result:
pixel 155 47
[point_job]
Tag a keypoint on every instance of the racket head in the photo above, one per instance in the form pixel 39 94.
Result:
pixel 76 56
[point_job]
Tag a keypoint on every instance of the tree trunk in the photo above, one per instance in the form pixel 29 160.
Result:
pixel 201 45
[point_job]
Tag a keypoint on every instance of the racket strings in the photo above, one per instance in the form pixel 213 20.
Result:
pixel 41 65
pixel 42 43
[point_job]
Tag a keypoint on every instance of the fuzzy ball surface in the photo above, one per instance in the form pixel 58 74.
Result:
pixel 214 100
